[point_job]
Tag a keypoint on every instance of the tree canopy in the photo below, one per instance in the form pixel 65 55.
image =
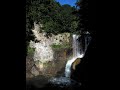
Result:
pixel 55 18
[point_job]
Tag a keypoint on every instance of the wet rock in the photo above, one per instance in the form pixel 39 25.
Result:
pixel 29 62
pixel 29 75
pixel 75 63
pixel 34 71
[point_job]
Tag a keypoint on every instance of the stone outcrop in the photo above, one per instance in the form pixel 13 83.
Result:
pixel 43 49
pixel 46 60
pixel 75 63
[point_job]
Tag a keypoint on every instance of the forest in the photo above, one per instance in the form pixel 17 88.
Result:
pixel 56 18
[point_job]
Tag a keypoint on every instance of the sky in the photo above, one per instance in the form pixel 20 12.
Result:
pixel 70 2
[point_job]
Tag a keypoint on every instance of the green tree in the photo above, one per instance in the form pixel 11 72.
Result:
pixel 82 12
pixel 55 18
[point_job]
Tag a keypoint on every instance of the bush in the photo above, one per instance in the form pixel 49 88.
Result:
pixel 60 46
pixel 30 50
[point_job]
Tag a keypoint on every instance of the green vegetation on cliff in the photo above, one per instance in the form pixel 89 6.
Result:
pixel 65 46
pixel 30 51
pixel 55 18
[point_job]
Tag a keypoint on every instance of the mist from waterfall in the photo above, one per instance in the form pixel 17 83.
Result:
pixel 79 45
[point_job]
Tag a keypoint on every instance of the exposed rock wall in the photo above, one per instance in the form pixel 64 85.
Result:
pixel 46 61
pixel 43 49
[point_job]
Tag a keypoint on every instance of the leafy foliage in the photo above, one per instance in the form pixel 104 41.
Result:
pixel 55 18
pixel 82 12
pixel 60 46
pixel 30 51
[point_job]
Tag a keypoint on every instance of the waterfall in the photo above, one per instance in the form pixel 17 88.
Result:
pixel 79 49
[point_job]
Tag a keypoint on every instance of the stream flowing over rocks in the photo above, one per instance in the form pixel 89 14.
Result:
pixel 52 67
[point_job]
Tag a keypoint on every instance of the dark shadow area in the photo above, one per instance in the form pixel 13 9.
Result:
pixel 44 85
pixel 87 67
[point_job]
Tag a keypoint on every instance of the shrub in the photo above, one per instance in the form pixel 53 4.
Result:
pixel 30 50
pixel 60 46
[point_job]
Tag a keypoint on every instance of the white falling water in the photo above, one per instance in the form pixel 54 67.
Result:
pixel 78 52
pixel 79 49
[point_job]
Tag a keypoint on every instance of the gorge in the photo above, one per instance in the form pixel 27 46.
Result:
pixel 48 62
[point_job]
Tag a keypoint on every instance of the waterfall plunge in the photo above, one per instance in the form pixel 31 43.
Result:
pixel 79 49
pixel 80 44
